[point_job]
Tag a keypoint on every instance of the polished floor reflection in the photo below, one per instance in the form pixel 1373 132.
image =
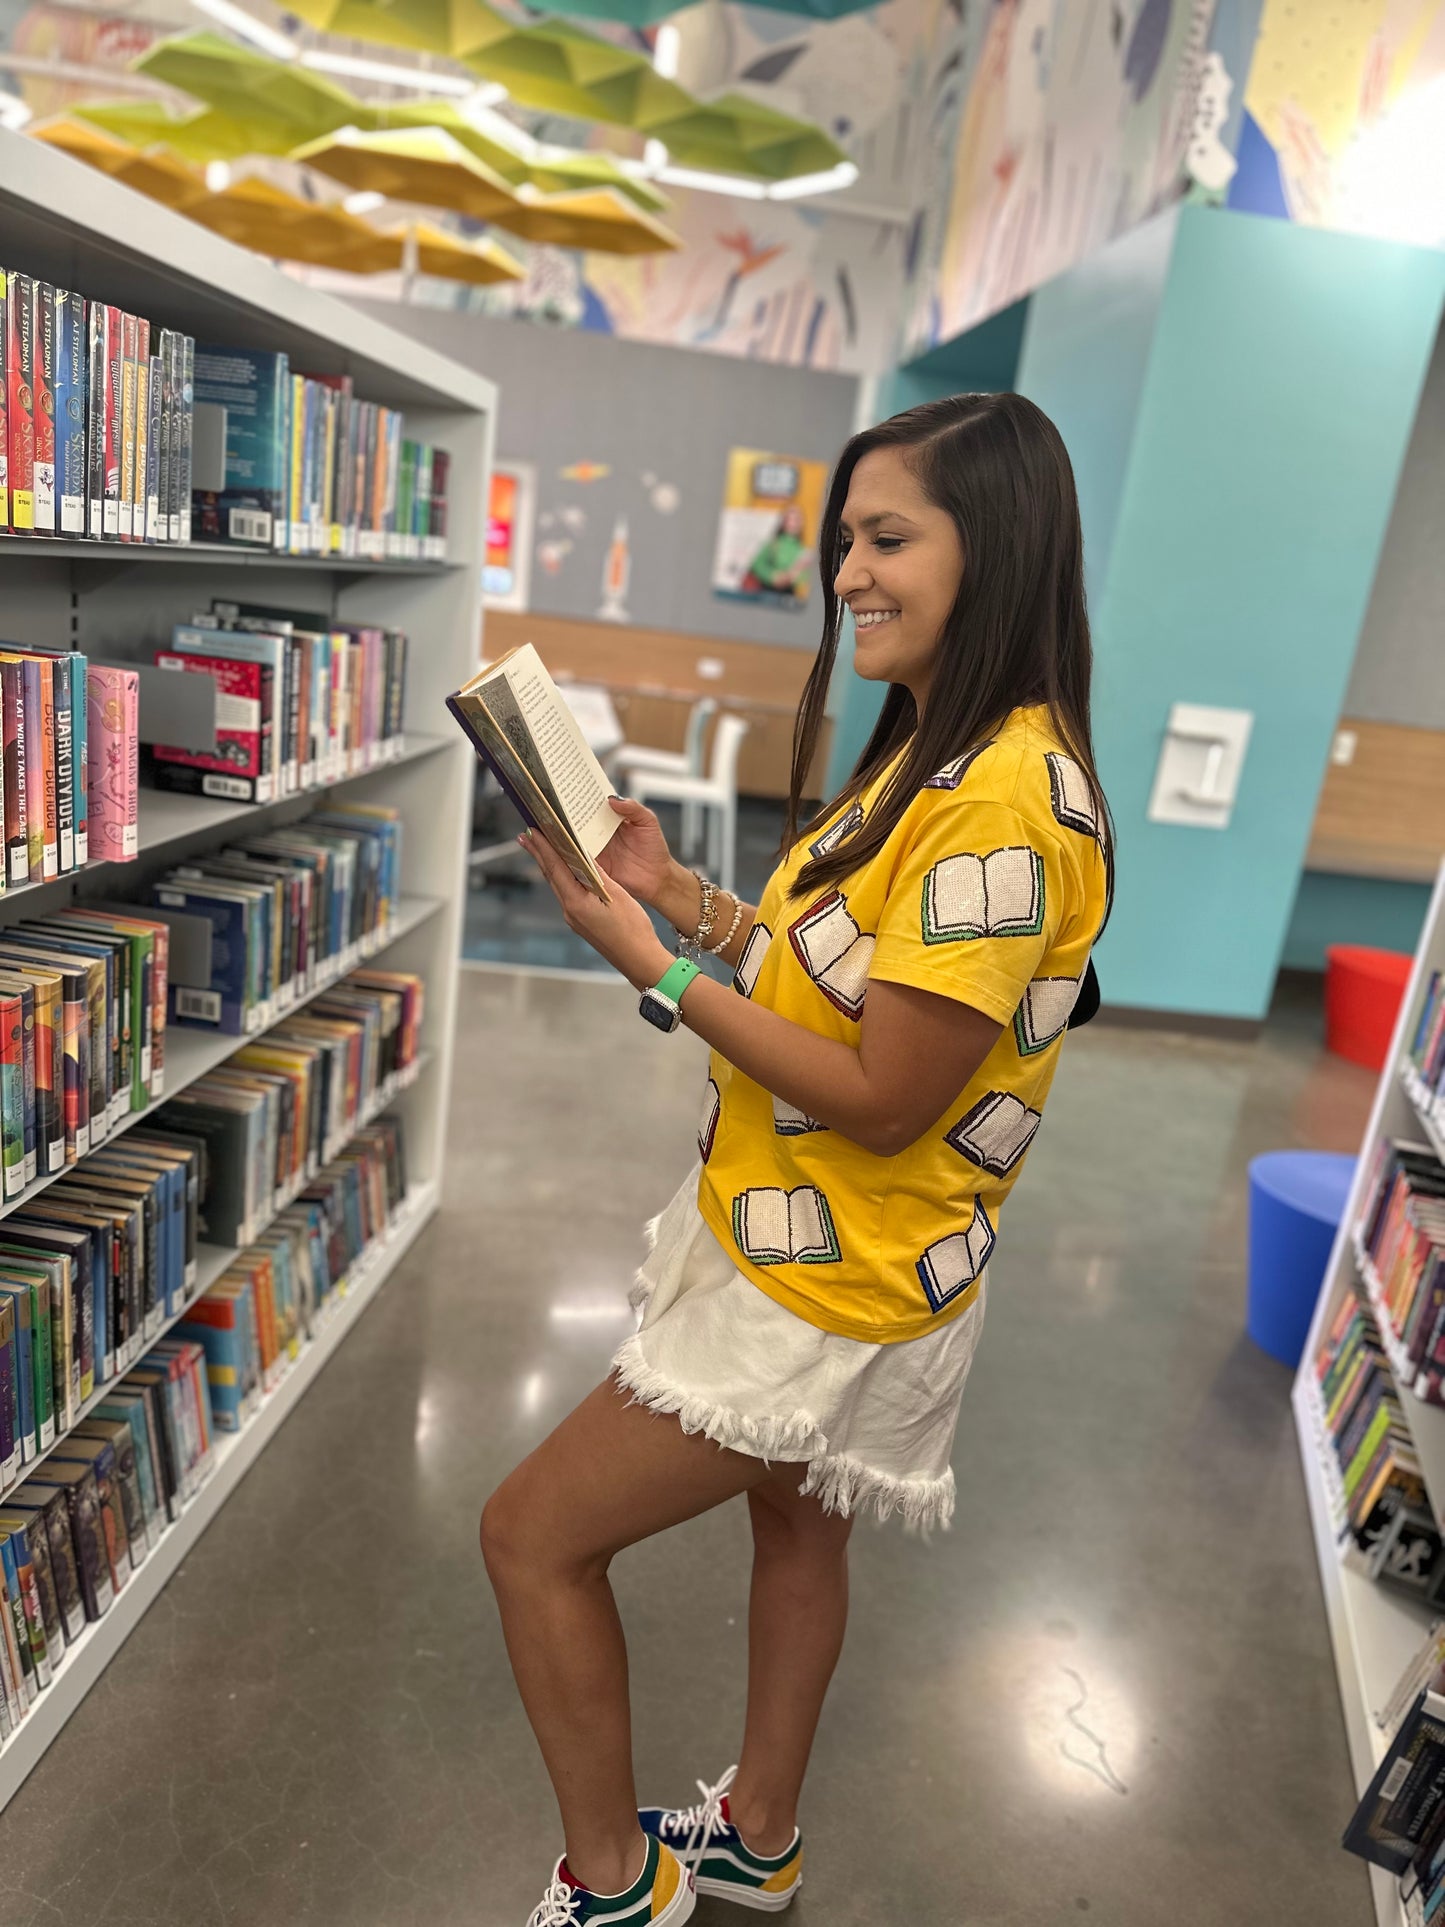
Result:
pixel 1106 1693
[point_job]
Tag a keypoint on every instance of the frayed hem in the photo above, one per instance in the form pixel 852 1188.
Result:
pixel 840 1484
pixel 848 1487
pixel 788 1441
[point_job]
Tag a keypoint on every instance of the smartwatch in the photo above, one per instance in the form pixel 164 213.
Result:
pixel 661 1005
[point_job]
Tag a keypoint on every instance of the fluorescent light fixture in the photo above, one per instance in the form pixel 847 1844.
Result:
pixel 249 28
pixel 218 177
pixel 843 175
pixel 14 112
pixel 666 49
pixel 363 202
pixel 654 157
pixel 358 67
pixel 733 184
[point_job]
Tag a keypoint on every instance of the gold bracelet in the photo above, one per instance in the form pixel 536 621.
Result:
pixel 718 948
pixel 691 947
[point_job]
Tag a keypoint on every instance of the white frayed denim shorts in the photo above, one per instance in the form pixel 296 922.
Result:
pixel 873 1424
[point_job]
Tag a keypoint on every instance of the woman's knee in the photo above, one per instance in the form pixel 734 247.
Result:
pixel 522 1540
pixel 787 1523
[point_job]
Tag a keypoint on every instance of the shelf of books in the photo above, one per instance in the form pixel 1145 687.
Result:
pixel 1369 1402
pixel 233 834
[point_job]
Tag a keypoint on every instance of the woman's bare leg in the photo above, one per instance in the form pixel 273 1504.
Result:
pixel 611 1474
pixel 796 1619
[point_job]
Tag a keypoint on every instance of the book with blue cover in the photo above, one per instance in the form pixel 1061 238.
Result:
pixel 72 403
pixel 253 387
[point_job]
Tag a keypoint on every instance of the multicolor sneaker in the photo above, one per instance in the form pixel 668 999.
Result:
pixel 706 1841
pixel 662 1895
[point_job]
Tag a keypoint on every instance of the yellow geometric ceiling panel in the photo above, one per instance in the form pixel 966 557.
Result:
pixel 424 165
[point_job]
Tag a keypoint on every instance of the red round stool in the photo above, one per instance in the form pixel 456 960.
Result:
pixel 1363 989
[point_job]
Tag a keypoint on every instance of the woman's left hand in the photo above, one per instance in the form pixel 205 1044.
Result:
pixel 621 931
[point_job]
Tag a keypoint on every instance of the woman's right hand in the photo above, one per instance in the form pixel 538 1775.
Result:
pixel 637 856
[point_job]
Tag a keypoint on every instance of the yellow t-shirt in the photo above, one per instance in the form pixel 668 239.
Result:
pixel 991 890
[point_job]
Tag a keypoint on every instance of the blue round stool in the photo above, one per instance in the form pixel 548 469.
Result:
pixel 1296 1201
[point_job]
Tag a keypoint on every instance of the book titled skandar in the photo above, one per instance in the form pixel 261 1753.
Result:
pixel 524 732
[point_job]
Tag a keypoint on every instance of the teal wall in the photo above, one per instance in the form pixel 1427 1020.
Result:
pixel 1277 404
pixel 1084 356
pixel 1338 909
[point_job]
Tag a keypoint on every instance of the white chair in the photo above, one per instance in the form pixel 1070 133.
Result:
pixel 687 761
pixel 716 794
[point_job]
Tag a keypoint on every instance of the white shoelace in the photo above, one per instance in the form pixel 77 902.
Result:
pixel 699 1823
pixel 558 1907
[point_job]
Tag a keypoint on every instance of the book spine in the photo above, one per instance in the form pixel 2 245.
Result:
pixel 12 1095
pixel 295 467
pixel 155 448
pixel 5 280
pixel 80 761
pixel 34 770
pixel 113 756
pixel 128 338
pixel 50 794
pixel 142 425
pixel 188 424
pixel 64 763
pixel 20 360
pixel 95 422
pixel 171 504
pixel 71 413
pixel 17 828
pixel 46 520
pixel 114 384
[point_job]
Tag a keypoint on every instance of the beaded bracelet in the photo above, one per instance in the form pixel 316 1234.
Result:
pixel 718 948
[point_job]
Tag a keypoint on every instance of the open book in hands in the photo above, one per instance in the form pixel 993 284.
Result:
pixel 528 737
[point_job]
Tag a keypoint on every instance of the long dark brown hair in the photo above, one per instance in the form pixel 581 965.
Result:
pixel 1016 636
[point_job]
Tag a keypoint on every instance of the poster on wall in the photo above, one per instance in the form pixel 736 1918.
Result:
pixel 511 511
pixel 767 535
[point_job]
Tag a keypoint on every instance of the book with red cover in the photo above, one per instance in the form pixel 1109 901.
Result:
pixel 239 765
pixel 20 419
pixel 43 409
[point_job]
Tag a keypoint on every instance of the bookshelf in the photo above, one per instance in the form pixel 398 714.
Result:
pixel 118 603
pixel 1374 1631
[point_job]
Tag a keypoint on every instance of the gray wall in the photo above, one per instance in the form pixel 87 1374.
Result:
pixel 1399 673
pixel 569 396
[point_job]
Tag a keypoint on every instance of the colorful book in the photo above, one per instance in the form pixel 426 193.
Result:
pixel 4 404
pixel 129 337
pixel 16 780
pixel 114 429
pixel 43 402
pixel 113 762
pixel 20 400
pixel 71 407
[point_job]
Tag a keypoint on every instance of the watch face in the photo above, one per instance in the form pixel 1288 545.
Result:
pixel 658 1012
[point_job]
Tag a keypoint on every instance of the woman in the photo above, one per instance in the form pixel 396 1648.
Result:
pixel 815 1291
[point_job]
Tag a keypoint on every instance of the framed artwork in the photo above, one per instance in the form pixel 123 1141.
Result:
pixel 511 517
pixel 768 531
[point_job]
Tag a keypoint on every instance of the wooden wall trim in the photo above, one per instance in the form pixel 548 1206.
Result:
pixel 1382 813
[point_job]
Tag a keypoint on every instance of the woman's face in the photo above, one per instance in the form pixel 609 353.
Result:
pixel 793 520
pixel 901 565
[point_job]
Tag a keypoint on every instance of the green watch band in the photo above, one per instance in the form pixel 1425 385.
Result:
pixel 676 978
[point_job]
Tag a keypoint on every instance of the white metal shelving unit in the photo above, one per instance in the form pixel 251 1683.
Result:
pixel 66 223
pixel 1375 1631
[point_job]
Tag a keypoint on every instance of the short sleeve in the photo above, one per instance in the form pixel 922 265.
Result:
pixel 976 905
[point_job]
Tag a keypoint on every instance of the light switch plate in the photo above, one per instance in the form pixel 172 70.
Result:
pixel 1200 765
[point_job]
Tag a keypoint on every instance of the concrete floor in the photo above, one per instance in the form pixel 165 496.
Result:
pixel 1107 1692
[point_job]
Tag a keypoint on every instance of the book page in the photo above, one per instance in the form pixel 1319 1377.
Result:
pixel 576 777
